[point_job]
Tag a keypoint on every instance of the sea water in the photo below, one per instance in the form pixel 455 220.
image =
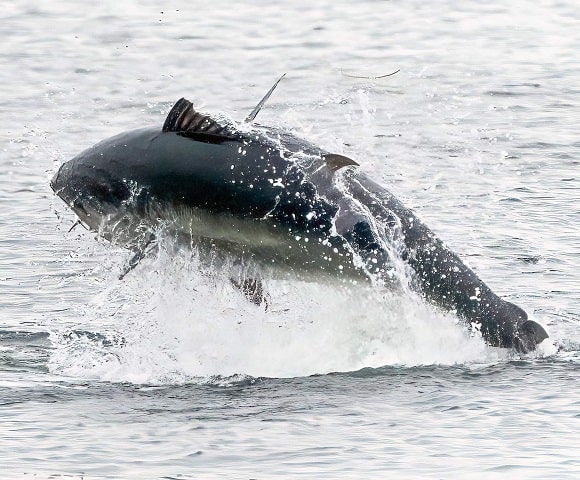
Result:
pixel 171 373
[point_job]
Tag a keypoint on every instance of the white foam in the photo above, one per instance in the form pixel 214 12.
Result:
pixel 175 321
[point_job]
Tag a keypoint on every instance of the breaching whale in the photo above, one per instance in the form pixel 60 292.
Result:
pixel 262 193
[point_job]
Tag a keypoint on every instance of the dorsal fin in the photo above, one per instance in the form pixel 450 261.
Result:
pixel 334 161
pixel 183 118
pixel 257 108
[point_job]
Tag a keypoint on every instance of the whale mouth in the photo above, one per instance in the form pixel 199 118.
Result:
pixel 529 335
pixel 57 183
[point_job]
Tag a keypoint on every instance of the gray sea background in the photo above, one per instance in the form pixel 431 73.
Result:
pixel 167 375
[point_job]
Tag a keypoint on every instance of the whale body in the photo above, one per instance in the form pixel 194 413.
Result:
pixel 264 194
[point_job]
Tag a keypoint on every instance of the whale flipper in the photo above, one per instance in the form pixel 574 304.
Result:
pixel 139 255
pixel 253 290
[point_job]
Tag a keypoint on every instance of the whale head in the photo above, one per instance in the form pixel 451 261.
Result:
pixel 93 193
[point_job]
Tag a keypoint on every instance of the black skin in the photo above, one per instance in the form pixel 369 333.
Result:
pixel 273 177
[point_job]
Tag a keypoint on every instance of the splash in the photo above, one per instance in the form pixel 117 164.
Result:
pixel 176 319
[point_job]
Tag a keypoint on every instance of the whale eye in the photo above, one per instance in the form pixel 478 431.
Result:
pixel 102 190
pixel 110 191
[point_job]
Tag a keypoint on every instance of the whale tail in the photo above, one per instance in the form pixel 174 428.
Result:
pixel 529 335
pixel 507 325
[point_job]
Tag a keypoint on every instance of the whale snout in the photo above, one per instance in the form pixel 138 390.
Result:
pixel 90 191
pixel 56 183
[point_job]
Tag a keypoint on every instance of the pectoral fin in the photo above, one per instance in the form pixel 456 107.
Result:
pixel 139 255
pixel 253 290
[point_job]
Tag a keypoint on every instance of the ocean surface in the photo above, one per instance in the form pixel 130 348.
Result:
pixel 171 374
